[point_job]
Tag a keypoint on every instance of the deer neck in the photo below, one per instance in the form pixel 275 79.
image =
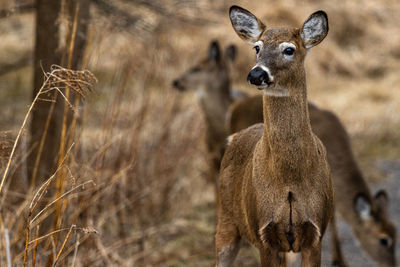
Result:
pixel 215 101
pixel 287 136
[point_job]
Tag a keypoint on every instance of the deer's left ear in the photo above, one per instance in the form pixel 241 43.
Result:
pixel 314 29
pixel 214 52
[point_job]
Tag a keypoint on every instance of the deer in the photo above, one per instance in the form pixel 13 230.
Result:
pixel 275 189
pixel 210 79
pixel 367 214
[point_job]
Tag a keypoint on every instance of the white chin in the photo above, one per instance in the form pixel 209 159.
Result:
pixel 276 91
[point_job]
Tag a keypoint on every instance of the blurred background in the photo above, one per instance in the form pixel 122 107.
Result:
pixel 119 178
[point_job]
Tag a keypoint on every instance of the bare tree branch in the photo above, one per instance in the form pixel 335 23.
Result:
pixel 109 9
pixel 161 10
pixel 13 66
pixel 21 9
pixel 128 20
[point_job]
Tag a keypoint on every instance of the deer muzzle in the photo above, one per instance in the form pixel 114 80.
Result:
pixel 258 77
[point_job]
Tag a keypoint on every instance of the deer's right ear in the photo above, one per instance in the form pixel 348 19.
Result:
pixel 246 25
pixel 381 200
pixel 230 52
pixel 362 205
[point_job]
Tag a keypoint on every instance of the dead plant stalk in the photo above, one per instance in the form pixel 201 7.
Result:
pixel 21 130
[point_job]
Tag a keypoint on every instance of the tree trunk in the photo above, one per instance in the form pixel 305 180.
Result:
pixel 47 52
pixel 53 48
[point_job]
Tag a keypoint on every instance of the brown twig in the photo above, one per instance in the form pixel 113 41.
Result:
pixel 75 250
pixel 80 81
pixel 63 140
pixel 33 204
pixel 19 135
pixel 35 248
pixel 63 245
pixel 59 198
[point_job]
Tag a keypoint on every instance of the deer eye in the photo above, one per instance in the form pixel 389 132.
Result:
pixel 257 48
pixel 289 51
pixel 196 69
pixel 385 241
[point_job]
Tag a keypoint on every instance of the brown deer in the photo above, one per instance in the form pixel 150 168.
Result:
pixel 275 189
pixel 366 214
pixel 211 81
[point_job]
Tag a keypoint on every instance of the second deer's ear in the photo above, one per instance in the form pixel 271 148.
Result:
pixel 246 25
pixel 230 52
pixel 214 53
pixel 381 200
pixel 314 29
pixel 362 206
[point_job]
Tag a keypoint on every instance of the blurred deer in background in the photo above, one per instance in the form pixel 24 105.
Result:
pixel 366 214
pixel 211 81
pixel 377 236
pixel 275 189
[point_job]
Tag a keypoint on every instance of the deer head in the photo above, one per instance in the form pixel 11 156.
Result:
pixel 210 76
pixel 376 233
pixel 280 52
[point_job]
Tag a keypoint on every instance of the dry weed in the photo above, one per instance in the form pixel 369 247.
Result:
pixel 142 143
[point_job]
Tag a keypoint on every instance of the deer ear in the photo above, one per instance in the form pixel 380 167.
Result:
pixel 230 52
pixel 381 200
pixel 246 25
pixel 314 29
pixel 214 53
pixel 362 206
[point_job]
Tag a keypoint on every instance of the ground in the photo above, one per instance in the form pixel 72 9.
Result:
pixel 142 143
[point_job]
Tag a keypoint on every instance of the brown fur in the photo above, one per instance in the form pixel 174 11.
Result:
pixel 347 179
pixel 275 189
pixel 210 79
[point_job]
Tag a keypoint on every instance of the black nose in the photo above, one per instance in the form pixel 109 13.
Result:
pixel 257 76
pixel 177 85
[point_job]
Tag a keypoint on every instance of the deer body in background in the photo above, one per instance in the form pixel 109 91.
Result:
pixel 275 189
pixel 376 236
pixel 366 214
pixel 211 81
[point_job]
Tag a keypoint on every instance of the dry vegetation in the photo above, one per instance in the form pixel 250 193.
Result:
pixel 136 193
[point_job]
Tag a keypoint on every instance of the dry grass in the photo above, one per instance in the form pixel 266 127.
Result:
pixel 134 192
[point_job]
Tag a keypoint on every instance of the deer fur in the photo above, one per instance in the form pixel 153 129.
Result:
pixel 210 80
pixel 365 213
pixel 275 189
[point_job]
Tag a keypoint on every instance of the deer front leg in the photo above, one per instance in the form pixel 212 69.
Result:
pixel 227 243
pixel 311 257
pixel 270 257
pixel 337 256
pixel 283 260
